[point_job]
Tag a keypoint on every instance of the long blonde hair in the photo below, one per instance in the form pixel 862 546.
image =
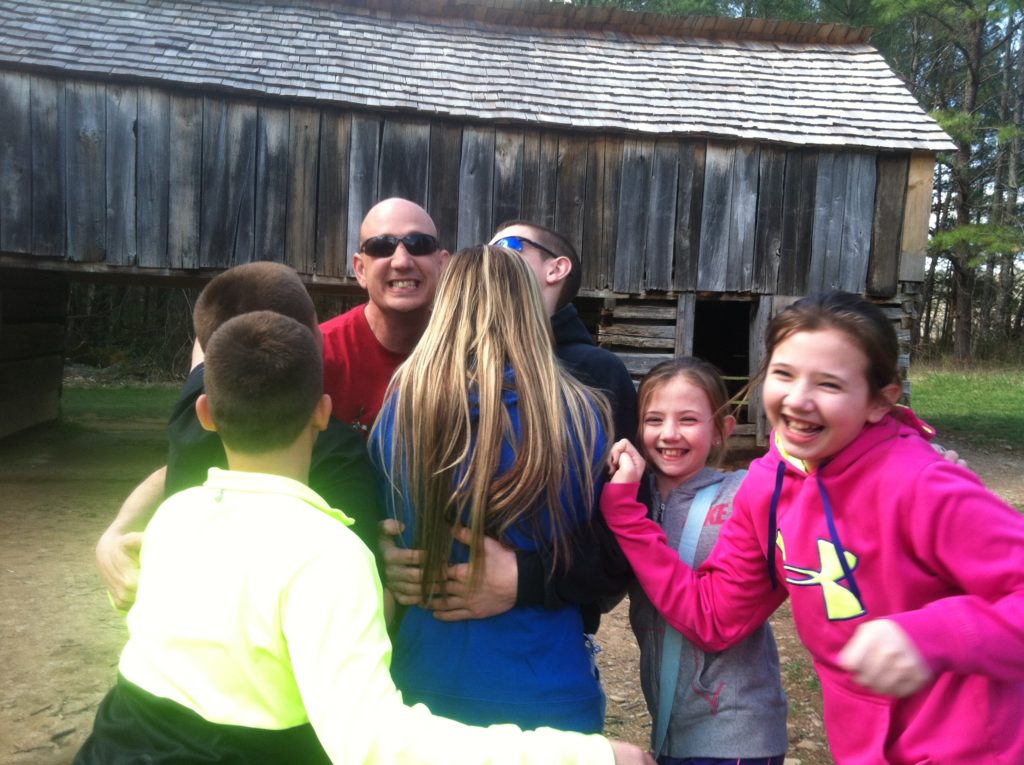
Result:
pixel 489 333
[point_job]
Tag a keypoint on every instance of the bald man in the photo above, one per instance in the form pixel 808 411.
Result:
pixel 398 263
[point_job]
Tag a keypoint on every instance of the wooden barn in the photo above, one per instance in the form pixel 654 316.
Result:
pixel 709 170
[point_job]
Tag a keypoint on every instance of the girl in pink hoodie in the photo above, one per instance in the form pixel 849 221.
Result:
pixel 906 575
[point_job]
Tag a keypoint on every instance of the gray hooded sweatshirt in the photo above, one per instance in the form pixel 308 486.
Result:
pixel 727 704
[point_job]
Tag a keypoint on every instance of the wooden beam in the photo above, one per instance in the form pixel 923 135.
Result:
pixel 917 211
pixel 686 310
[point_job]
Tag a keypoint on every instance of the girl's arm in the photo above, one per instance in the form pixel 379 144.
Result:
pixel 971 539
pixel 721 603
pixel 339 651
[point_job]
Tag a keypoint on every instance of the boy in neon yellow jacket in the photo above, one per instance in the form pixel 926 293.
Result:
pixel 258 632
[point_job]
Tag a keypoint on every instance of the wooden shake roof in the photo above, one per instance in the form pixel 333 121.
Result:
pixel 529 62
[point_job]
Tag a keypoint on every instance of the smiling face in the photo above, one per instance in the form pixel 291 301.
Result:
pixel 677 432
pixel 817 396
pixel 398 283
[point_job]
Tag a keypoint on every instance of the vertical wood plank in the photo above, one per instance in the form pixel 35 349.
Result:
pixel 229 183
pixel 659 240
pixel 836 218
pixel 600 213
pixel 216 235
pixel 185 196
pixel 508 176
pixel 755 349
pixel 15 162
pixel 476 187
pixel 122 112
pixel 48 190
pixel 86 176
pixel 826 239
pixel 303 147
pixel 716 219
pixel 884 265
pixel 362 190
pixel 404 160
pixel 614 152
pixel 856 233
pixel 540 177
pixel 634 191
pixel 443 197
pixel 742 218
pixel 572 188
pixel 242 121
pixel 591 262
pixel 768 232
pixel 686 311
pixel 918 207
pixel 332 253
pixel 689 211
pixel 797 221
pixel 153 177
pixel 271 195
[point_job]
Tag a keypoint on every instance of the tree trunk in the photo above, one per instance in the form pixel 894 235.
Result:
pixel 963 285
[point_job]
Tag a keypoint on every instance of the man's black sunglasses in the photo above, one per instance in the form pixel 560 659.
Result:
pixel 385 245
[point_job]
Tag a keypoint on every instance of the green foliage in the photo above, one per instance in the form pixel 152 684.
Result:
pixel 977 240
pixel 1008 133
pixel 962 127
pixel 982 407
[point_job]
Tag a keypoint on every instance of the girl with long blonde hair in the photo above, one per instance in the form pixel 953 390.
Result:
pixel 482 428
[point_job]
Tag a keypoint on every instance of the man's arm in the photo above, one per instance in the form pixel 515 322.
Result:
pixel 598 574
pixel 117 552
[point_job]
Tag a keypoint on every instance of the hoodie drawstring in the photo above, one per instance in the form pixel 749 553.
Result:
pixel 773 575
pixel 780 473
pixel 840 550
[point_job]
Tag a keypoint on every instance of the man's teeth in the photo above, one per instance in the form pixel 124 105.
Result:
pixel 403 283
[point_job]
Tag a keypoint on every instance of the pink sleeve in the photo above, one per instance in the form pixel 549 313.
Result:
pixel 715 607
pixel 971 539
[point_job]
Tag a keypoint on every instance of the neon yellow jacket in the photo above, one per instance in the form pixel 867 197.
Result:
pixel 258 607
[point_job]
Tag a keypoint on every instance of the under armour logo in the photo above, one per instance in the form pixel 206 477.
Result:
pixel 840 603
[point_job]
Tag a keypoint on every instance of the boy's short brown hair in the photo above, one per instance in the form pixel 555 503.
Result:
pixel 560 245
pixel 260 286
pixel 264 377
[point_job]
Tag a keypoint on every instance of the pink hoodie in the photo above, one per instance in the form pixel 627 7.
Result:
pixel 925 544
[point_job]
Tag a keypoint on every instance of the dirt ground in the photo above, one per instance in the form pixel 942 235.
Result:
pixel 61 485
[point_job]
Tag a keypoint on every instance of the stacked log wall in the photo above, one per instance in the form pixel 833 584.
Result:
pixel 33 311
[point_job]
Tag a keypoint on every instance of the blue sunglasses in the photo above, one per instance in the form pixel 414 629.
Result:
pixel 516 243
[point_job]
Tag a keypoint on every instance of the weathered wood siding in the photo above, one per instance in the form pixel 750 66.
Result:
pixel 125 175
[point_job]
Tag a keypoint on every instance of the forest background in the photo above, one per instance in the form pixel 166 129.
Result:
pixel 962 60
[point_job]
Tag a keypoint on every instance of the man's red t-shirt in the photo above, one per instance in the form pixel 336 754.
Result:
pixel 357 368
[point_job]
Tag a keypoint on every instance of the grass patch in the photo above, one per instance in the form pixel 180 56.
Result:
pixel 984 407
pixel 119 402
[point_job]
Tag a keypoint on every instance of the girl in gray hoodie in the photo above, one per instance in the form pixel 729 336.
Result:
pixel 706 708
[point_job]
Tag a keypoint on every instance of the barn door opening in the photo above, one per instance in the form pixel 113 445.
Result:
pixel 721 335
